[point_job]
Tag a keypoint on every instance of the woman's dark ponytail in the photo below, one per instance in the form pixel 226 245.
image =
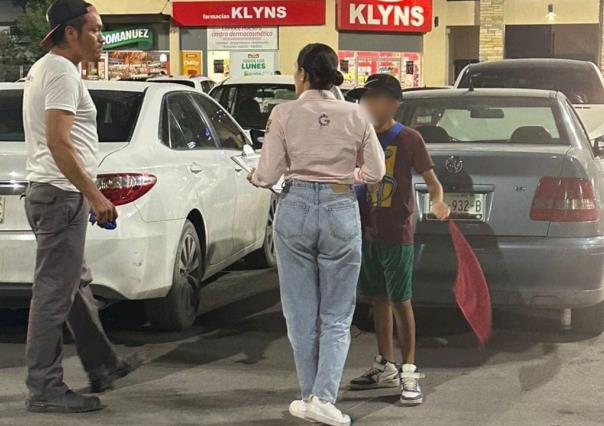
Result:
pixel 321 65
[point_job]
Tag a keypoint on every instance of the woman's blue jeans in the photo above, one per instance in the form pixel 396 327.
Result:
pixel 318 243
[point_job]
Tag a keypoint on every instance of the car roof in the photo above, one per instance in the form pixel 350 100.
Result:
pixel 260 79
pixel 532 63
pixel 477 93
pixel 179 78
pixel 122 86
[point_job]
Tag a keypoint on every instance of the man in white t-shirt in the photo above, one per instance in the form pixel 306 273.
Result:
pixel 59 119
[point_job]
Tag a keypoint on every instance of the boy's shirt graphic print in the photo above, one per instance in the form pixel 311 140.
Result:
pixel 390 204
pixel 382 197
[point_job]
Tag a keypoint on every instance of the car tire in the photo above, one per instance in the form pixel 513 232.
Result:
pixel 589 320
pixel 266 256
pixel 180 308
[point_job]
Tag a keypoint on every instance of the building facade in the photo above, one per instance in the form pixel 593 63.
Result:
pixel 423 42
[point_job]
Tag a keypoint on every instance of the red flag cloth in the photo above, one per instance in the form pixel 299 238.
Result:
pixel 471 290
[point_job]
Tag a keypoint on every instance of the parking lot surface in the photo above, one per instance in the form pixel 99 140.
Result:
pixel 235 367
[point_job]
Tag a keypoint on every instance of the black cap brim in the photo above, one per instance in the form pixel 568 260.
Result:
pixel 357 93
pixel 47 40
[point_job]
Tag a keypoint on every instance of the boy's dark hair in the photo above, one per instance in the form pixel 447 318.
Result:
pixel 77 24
pixel 321 64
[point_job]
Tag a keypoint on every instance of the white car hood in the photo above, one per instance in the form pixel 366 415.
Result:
pixel 593 119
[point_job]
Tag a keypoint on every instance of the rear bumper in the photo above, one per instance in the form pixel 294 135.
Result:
pixel 540 272
pixel 133 262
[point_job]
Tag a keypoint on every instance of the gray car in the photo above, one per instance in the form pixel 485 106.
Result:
pixel 525 187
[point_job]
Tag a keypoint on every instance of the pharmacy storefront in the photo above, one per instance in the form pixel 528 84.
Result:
pixel 239 52
pixel 379 37
pixel 131 53
pixel 242 38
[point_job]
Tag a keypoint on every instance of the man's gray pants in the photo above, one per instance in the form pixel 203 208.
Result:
pixel 61 293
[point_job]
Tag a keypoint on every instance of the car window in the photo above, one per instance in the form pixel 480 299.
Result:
pixel 228 132
pixel 580 87
pixel 229 99
pixel 186 128
pixel 117 114
pixel 11 116
pixel 217 93
pixel 484 119
pixel 206 86
pixel 581 133
pixel 253 103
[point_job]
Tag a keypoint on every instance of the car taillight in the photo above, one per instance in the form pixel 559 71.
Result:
pixel 565 200
pixel 123 188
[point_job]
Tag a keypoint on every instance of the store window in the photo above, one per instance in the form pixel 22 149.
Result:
pixel 357 66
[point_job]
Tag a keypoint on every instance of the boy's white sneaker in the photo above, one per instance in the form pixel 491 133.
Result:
pixel 325 412
pixel 383 374
pixel 411 392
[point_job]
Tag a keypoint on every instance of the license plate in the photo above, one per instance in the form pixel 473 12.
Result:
pixel 463 206
pixel 2 204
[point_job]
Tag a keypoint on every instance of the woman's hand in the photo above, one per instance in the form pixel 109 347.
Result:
pixel 250 176
pixel 441 210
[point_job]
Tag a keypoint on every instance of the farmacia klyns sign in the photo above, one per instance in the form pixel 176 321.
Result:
pixel 143 37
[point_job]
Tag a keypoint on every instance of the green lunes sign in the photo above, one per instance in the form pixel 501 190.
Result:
pixel 143 37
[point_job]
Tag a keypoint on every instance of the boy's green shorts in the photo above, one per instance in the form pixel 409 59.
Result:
pixel 387 271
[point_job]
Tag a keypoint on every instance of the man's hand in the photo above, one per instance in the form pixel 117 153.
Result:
pixel 441 210
pixel 103 209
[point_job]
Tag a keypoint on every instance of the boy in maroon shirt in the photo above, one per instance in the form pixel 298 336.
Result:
pixel 388 230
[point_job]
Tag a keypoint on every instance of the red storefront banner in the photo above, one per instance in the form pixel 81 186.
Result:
pixel 254 13
pixel 400 16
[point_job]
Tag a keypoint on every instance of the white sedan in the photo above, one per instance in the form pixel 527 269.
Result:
pixel 186 209
pixel 203 84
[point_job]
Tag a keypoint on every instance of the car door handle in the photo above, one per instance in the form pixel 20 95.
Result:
pixel 196 168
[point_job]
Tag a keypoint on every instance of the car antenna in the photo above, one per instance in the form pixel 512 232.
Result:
pixel 471 80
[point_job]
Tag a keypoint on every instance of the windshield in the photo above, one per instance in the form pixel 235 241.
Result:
pixel 487 120
pixel 580 87
pixel 117 113
pixel 254 103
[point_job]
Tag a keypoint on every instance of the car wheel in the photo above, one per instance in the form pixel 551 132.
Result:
pixel 179 309
pixel 589 320
pixel 266 256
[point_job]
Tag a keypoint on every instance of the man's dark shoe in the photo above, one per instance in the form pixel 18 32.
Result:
pixel 125 366
pixel 71 402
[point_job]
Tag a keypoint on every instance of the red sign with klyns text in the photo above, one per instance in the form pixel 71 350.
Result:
pixel 254 13
pixel 400 16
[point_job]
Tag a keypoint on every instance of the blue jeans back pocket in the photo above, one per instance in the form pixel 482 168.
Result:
pixel 344 220
pixel 291 218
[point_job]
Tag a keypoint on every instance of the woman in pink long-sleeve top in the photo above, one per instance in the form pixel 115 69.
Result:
pixel 322 146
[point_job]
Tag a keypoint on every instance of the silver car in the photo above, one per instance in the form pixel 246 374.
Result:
pixel 526 188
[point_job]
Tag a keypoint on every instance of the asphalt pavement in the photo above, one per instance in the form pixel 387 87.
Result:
pixel 235 368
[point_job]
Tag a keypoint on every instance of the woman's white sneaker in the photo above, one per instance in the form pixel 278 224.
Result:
pixel 325 412
pixel 298 409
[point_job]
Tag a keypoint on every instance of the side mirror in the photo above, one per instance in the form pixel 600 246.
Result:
pixel 599 146
pixel 257 138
